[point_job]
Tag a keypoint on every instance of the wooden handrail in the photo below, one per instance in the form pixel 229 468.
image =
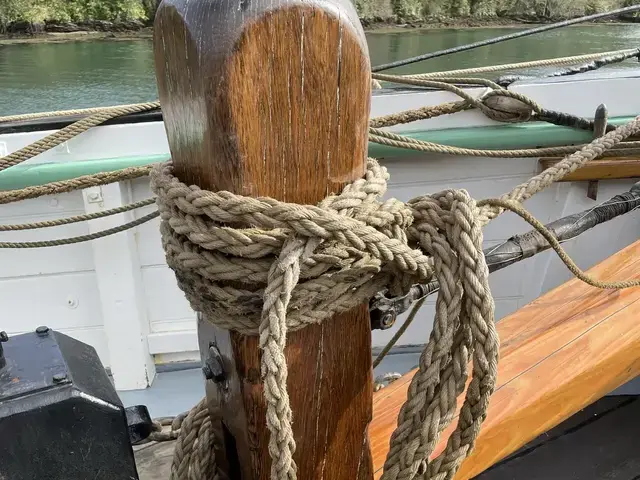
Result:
pixel 605 169
pixel 559 353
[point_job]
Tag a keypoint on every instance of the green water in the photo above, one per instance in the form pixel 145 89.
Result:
pixel 41 77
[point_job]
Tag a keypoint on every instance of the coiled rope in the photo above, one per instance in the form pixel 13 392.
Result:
pixel 303 264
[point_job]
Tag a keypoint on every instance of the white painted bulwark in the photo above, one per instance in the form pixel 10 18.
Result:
pixel 120 285
pixel 118 294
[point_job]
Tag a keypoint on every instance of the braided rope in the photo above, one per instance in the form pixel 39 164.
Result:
pixel 278 250
pixel 303 264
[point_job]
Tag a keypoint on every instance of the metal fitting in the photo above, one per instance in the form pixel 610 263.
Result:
pixel 213 368
pixel 3 338
pixel 42 331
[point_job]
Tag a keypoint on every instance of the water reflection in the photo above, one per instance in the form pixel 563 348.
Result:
pixel 40 77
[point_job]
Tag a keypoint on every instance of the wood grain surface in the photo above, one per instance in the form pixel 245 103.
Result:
pixel 558 354
pixel 272 99
pixel 605 169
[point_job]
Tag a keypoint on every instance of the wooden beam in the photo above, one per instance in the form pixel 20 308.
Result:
pixel 272 98
pixel 558 354
pixel 605 169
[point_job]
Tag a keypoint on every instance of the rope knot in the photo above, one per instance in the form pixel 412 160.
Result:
pixel 509 107
pixel 235 256
pixel 359 245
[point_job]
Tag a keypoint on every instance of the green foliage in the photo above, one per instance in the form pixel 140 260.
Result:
pixel 535 9
pixel 38 11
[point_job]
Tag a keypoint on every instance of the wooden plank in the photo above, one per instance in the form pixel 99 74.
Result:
pixel 153 460
pixel 600 442
pixel 272 98
pixel 606 169
pixel 559 353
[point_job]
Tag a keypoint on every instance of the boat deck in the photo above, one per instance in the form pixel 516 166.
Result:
pixel 598 443
pixel 606 432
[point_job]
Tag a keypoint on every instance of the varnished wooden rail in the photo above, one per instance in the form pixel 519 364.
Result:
pixel 605 169
pixel 559 353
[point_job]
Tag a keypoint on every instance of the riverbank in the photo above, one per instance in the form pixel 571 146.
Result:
pixel 80 36
pixel 371 25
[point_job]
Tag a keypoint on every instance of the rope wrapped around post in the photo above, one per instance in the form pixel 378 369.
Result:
pixel 307 263
pixel 301 264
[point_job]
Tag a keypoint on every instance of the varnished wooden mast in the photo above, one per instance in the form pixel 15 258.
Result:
pixel 272 98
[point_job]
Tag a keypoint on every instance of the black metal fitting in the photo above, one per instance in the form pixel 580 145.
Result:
pixel 60 416
pixel 213 368
pixel 139 423
pixel 384 310
pixel 382 320
pixel 3 338
pixel 42 331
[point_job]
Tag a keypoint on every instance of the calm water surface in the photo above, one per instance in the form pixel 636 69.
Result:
pixel 41 77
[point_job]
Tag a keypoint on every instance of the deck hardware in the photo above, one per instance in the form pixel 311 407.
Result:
pixel 213 368
pixel 139 423
pixel 94 195
pixel 599 129
pixel 42 331
pixel 384 310
pixel 3 338
pixel 58 405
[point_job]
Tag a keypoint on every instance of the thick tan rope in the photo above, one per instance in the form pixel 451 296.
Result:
pixel 401 141
pixel 73 112
pixel 423 113
pixel 304 264
pixel 193 452
pixel 70 131
pixel 77 218
pixel 78 183
pixel 524 65
pixel 525 107
pixel 559 170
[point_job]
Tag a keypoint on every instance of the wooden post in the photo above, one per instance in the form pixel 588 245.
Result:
pixel 271 98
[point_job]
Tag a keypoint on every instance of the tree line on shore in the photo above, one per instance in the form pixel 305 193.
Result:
pixel 525 9
pixel 32 16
